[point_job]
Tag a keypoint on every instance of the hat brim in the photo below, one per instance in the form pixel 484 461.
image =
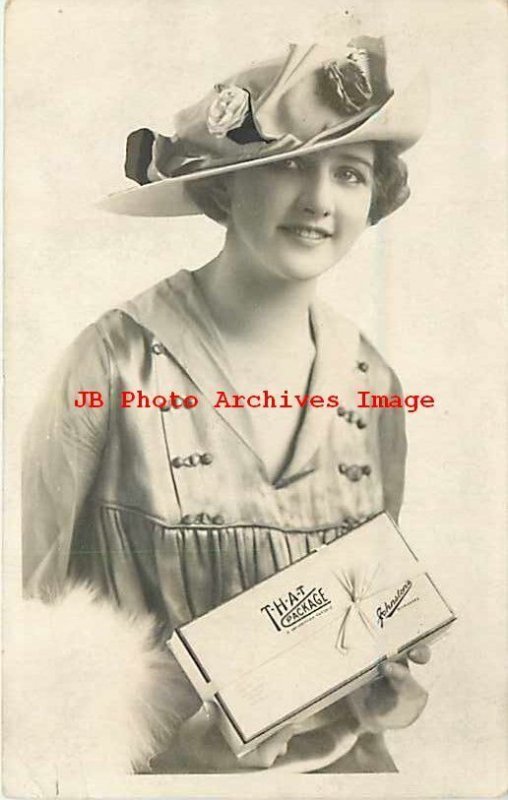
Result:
pixel 400 121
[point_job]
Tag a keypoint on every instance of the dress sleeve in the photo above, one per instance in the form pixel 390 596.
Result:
pixel 393 449
pixel 61 454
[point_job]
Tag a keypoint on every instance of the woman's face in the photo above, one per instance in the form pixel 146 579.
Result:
pixel 296 218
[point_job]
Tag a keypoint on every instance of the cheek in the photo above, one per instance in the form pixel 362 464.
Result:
pixel 242 199
pixel 354 211
pixel 255 209
pixel 258 192
pixel 246 219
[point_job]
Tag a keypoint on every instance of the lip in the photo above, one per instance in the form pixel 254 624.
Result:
pixel 307 234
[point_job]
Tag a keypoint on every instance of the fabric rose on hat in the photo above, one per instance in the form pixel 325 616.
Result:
pixel 228 110
pixel 351 79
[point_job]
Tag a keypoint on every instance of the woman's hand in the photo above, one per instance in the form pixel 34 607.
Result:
pixel 201 741
pixel 395 700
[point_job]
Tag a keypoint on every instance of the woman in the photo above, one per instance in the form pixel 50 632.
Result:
pixel 170 509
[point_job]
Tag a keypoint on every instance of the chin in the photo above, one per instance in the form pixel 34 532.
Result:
pixel 303 269
pixel 304 273
pixel 307 263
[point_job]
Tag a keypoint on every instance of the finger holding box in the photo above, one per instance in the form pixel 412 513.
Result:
pixel 395 700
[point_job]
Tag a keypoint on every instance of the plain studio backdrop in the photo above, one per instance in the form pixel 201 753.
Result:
pixel 426 285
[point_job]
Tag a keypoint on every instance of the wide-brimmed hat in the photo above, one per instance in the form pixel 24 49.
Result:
pixel 310 99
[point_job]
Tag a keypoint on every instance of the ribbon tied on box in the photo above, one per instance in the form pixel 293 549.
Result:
pixel 359 584
pixel 363 583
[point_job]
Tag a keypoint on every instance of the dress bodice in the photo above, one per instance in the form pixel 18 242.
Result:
pixel 171 509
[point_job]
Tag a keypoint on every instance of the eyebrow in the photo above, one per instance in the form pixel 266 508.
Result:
pixel 358 159
pixel 346 156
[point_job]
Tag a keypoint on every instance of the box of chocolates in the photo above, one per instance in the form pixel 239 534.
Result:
pixel 312 633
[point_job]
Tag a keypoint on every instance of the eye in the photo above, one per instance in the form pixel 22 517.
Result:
pixel 289 164
pixel 350 175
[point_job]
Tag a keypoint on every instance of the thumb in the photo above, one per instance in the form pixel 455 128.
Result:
pixel 405 686
pixel 207 712
pixel 394 672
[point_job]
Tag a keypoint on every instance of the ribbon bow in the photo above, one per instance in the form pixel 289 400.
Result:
pixel 355 626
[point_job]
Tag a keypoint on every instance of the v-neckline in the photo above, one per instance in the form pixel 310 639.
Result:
pixel 253 441
pixel 176 312
pixel 292 445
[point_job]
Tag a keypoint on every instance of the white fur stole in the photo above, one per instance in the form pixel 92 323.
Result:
pixel 87 691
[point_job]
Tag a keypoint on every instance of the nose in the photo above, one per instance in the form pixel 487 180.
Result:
pixel 316 195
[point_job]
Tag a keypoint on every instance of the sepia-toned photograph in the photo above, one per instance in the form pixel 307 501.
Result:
pixel 255 506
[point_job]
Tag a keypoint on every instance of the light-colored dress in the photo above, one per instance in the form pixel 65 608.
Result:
pixel 170 510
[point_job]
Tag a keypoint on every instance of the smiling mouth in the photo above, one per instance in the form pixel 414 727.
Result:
pixel 306 232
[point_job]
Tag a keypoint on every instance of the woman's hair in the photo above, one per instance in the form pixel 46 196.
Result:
pixel 390 190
